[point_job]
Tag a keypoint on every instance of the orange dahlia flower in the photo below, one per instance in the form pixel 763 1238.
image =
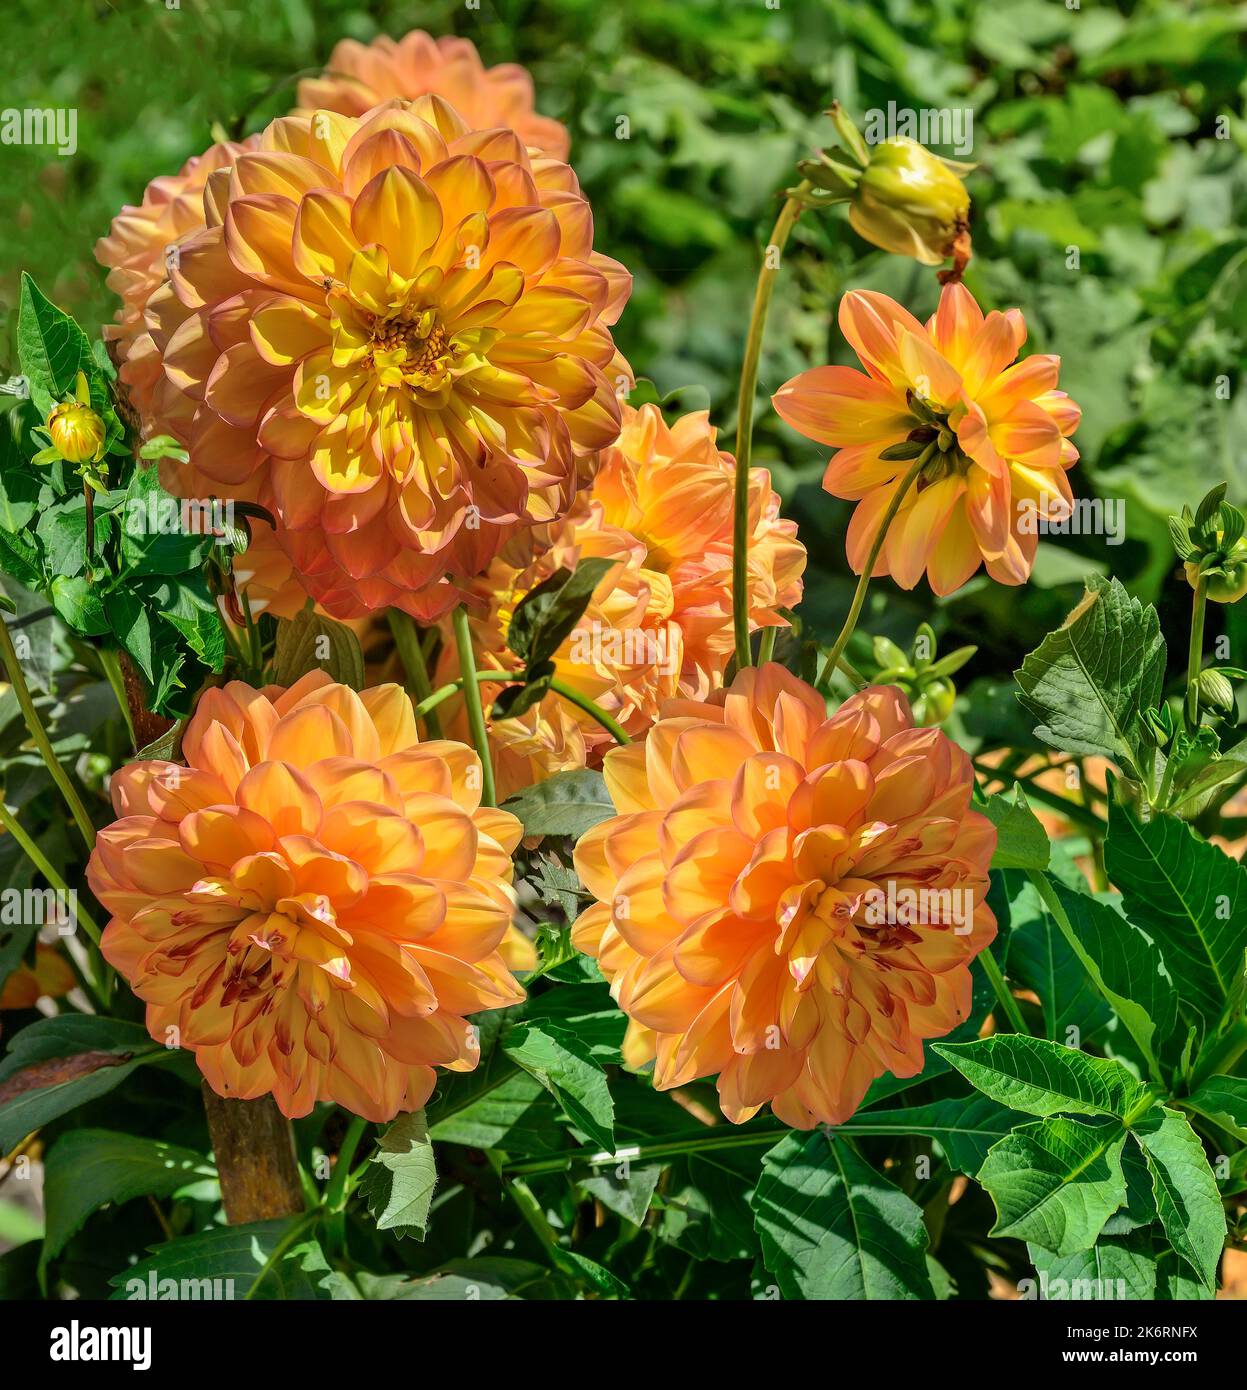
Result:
pixel 397 330
pixel 361 76
pixel 135 252
pixel 787 899
pixel 315 903
pixel 995 431
pixel 660 620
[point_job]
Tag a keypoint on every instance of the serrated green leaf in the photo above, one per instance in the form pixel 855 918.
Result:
pixel 965 1127
pixel 1042 1078
pixel 569 803
pixel 311 642
pixel 262 1260
pixel 625 1189
pixel 1089 682
pixel 1187 1199
pixel 1126 966
pixel 1021 840
pixel 1192 899
pixel 833 1228
pixel 1116 1267
pixel 88 1168
pixel 401 1175
pixel 1223 1099
pixel 1055 1182
pixel 567 1069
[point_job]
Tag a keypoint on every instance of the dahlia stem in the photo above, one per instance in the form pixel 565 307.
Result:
pixel 863 583
pixel 590 707
pixel 95 975
pixel 472 703
pixel 766 646
pixel 411 653
pixel 744 418
pixel 253 1145
pixel 38 733
pixel 110 664
pixel 997 981
pixel 337 1191
pixel 1195 657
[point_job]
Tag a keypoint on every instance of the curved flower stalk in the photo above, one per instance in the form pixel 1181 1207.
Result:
pixel 396 327
pixel 985 438
pixel 659 624
pixel 787 899
pixel 316 902
pixel 360 76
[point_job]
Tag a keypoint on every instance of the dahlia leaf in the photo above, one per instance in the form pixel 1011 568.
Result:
pixel 624 1189
pixel 1187 1198
pixel 155 535
pixel 259 1260
pixel 87 1168
pixel 965 1127
pixel 52 350
pixel 1090 682
pixel 1116 1267
pixel 1190 896
pixel 545 616
pixel 1055 1182
pixel 1223 1100
pixel 1126 967
pixel 496 1106
pixel 833 1228
pixel 1043 1078
pixel 58 1064
pixel 566 1068
pixel 569 803
pixel 311 642
pixel 1021 840
pixel 401 1175
pixel 1041 960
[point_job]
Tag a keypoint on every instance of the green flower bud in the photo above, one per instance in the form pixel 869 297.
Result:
pixel 912 203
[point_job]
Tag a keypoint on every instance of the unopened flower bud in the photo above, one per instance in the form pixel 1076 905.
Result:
pixel 912 203
pixel 76 431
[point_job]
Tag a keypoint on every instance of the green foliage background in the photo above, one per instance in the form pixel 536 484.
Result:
pixel 1112 130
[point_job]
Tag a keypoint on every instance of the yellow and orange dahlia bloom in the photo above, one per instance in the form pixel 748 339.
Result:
pixel 360 76
pixel 316 902
pixel 786 899
pixel 659 624
pixel 996 432
pixel 395 333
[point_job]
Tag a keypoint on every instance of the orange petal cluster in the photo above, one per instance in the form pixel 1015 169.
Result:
pixel 135 252
pixel 395 333
pixel 360 76
pixel 984 499
pixel 315 903
pixel 786 899
pixel 659 624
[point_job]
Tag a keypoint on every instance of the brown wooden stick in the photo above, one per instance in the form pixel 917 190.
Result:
pixel 254 1148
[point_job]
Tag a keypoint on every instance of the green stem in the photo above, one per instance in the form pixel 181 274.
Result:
pixel 530 1210
pixel 337 1191
pixel 997 981
pixel 98 984
pixel 863 583
pixel 712 1140
pixel 1195 658
pixel 616 730
pixel 38 733
pixel 766 646
pixel 444 692
pixel 744 418
pixel 110 663
pixel 411 653
pixel 472 703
